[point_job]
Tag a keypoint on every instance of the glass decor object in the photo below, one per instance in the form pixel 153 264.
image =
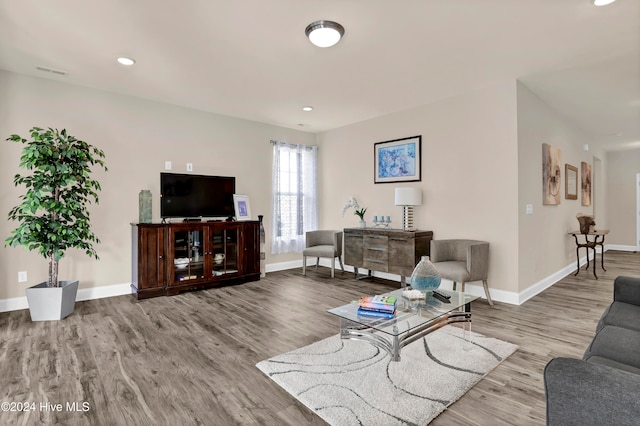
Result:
pixel 144 206
pixel 425 276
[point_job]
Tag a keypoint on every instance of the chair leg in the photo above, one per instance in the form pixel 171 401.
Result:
pixel 462 287
pixel 454 285
pixel 317 262
pixel 341 265
pixel 486 291
pixel 304 265
pixel 333 267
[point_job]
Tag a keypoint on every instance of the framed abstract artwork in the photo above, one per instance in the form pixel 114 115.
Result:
pixel 242 207
pixel 586 183
pixel 398 160
pixel 551 172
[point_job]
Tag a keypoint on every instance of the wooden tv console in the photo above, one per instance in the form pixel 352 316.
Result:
pixel 169 258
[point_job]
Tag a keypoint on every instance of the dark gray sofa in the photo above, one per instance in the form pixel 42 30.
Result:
pixel 603 388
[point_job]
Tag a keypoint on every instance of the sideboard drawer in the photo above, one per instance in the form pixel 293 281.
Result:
pixel 375 254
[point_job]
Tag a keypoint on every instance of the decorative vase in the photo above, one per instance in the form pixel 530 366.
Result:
pixel 425 276
pixel 362 223
pixel 144 206
pixel 263 253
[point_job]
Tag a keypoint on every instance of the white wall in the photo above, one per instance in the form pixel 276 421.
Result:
pixel 137 136
pixel 621 187
pixel 545 246
pixel 481 164
pixel 469 172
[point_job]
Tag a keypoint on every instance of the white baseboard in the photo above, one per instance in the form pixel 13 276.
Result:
pixel 475 289
pixel 104 291
pixel 620 247
pixel 283 266
pixel 19 303
pixel 13 304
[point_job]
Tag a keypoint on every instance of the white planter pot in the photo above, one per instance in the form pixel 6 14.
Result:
pixel 52 303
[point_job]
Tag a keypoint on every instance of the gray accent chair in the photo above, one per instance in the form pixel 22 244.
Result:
pixel 462 261
pixel 323 244
pixel 602 388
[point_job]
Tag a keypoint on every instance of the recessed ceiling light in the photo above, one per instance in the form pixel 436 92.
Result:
pixel 324 33
pixel 307 108
pixel 602 2
pixel 126 61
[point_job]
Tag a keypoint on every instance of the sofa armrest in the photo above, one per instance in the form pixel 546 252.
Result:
pixel 583 393
pixel 627 290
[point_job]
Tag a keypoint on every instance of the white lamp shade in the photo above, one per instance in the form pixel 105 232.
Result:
pixel 408 197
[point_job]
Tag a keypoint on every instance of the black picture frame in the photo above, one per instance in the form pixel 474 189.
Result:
pixel 398 160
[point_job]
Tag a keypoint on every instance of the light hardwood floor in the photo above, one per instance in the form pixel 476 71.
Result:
pixel 190 359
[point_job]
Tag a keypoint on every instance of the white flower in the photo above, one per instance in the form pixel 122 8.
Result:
pixel 351 203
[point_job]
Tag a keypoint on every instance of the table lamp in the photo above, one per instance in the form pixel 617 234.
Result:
pixel 407 198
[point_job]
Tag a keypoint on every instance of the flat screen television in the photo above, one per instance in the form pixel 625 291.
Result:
pixel 195 196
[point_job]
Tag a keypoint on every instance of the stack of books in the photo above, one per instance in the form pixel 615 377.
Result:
pixel 377 306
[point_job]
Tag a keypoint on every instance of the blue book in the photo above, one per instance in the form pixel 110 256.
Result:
pixel 376 314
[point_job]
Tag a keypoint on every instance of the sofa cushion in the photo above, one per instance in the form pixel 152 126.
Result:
pixel 618 344
pixel 622 315
pixel 611 363
pixel 584 393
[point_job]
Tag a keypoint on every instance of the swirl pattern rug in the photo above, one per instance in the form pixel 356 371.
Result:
pixel 349 382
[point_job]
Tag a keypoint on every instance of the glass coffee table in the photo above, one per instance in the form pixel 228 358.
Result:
pixel 414 319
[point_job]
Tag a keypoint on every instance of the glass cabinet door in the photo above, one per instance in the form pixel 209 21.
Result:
pixel 188 255
pixel 224 252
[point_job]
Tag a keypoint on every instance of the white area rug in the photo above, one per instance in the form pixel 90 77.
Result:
pixel 348 382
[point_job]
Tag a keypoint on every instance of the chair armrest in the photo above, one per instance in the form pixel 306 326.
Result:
pixel 337 243
pixel 627 290
pixel 582 393
pixel 478 261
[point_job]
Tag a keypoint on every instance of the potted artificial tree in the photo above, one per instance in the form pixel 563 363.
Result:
pixel 53 215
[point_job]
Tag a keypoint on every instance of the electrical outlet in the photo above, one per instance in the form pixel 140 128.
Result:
pixel 167 165
pixel 529 209
pixel 189 167
pixel 22 276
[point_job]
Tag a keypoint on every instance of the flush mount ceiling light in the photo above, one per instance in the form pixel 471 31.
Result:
pixel 126 61
pixel 602 2
pixel 307 108
pixel 324 33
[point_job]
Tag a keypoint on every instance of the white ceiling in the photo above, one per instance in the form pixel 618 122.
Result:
pixel 251 59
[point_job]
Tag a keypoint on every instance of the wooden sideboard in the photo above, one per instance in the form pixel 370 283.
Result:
pixel 385 250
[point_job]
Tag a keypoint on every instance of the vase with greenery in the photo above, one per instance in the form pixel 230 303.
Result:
pixel 53 214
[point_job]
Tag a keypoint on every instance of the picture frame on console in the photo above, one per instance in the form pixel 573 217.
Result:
pixel 398 160
pixel 242 207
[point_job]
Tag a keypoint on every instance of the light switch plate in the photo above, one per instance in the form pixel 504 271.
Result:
pixel 167 165
pixel 529 209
